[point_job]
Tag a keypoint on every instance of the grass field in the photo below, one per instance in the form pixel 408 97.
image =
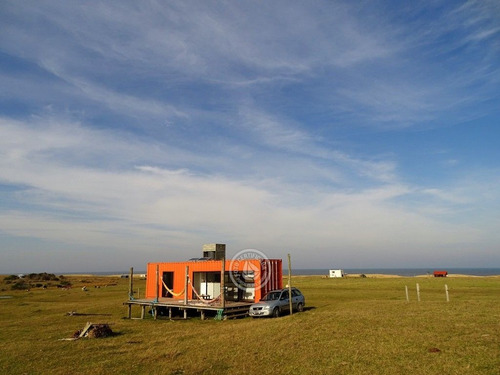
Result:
pixel 351 326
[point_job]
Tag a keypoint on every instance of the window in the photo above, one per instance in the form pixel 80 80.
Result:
pixel 284 294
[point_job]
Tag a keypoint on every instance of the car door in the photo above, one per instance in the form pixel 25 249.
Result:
pixel 295 298
pixel 284 301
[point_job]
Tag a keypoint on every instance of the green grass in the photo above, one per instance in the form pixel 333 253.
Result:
pixel 351 326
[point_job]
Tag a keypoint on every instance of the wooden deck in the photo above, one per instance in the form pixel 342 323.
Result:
pixel 231 309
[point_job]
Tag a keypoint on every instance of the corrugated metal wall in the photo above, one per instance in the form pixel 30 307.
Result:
pixel 272 276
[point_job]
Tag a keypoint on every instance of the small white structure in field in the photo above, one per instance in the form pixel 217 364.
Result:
pixel 336 273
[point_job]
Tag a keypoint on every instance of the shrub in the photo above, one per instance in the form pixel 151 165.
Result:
pixel 20 285
pixel 44 276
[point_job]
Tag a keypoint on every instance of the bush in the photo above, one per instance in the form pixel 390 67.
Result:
pixel 11 278
pixel 44 276
pixel 20 285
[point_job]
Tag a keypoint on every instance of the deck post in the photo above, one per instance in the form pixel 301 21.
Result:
pixel 131 284
pixel 222 283
pixel 170 313
pixel 129 311
pixel 143 311
pixel 186 282
pixel 185 314
pixel 157 280
pixel 290 284
pixel 202 312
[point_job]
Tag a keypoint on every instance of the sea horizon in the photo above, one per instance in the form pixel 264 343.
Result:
pixel 472 271
pixel 490 271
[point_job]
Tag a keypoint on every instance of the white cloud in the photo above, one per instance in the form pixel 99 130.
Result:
pixel 232 121
pixel 143 206
pixel 362 55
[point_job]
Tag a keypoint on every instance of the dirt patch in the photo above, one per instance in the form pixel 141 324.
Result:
pixel 94 331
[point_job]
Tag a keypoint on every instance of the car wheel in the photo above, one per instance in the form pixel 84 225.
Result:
pixel 300 307
pixel 276 312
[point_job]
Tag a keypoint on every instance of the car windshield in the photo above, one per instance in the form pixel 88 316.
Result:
pixel 273 296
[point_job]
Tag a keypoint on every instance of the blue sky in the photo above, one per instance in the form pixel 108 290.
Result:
pixel 349 134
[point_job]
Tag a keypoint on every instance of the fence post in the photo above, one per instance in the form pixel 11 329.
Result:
pixel 447 294
pixel 418 292
pixel 407 295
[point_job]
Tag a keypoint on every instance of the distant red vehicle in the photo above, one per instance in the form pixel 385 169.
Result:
pixel 440 273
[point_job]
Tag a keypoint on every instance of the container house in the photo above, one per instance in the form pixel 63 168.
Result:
pixel 245 280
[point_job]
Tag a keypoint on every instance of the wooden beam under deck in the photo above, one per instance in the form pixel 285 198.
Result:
pixel 230 309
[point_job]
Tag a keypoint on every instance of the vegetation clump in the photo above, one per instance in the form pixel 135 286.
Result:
pixel 20 285
pixel 44 276
pixel 10 278
pixel 64 284
pixel 35 280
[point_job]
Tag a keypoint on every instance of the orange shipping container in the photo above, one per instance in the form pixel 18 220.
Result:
pixel 245 280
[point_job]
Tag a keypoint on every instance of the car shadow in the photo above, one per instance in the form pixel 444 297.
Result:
pixel 309 308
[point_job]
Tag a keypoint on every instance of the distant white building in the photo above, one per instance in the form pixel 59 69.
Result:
pixel 336 273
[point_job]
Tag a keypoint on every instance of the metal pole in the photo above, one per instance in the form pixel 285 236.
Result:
pixel 290 284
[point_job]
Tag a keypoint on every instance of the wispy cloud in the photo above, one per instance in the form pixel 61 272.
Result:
pixel 143 205
pixel 130 125
pixel 115 101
